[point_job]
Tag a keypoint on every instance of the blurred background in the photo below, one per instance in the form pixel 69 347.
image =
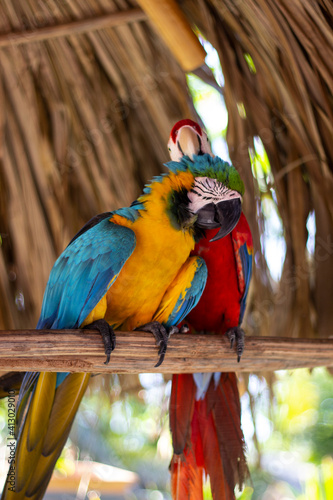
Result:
pixel 85 118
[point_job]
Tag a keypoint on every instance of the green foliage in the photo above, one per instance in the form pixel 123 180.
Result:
pixel 207 494
pixel 246 494
pixel 304 412
pixel 126 429
pixel 261 167
pixel 296 453
pixel 250 63
pixel 319 484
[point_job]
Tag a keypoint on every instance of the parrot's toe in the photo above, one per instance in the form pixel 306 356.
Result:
pixel 161 335
pixel 184 328
pixel 108 336
pixel 237 334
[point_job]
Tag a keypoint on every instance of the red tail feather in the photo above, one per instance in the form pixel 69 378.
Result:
pixel 214 442
pixel 213 460
pixel 186 477
pixel 224 400
pixel 181 409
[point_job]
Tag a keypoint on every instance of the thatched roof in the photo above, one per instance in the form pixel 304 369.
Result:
pixel 89 91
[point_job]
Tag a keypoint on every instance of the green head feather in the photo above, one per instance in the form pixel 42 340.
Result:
pixel 207 166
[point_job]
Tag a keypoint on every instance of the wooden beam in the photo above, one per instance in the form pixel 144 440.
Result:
pixel 73 28
pixel 136 352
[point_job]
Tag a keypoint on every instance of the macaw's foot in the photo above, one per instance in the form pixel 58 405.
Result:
pixel 108 336
pixel 237 334
pixel 161 335
pixel 183 329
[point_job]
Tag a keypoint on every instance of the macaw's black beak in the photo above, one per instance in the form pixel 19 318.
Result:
pixel 224 215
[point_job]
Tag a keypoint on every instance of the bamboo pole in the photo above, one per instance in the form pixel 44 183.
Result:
pixel 174 28
pixel 136 352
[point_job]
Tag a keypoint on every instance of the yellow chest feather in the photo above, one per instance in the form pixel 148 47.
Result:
pixel 160 252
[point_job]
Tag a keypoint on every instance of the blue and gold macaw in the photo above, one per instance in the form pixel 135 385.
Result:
pixel 128 269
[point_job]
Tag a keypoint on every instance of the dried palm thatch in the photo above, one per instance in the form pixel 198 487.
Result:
pixel 277 60
pixel 85 120
pixel 88 94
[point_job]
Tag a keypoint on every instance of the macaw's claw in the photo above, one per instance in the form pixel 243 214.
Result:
pixel 108 336
pixel 237 334
pixel 161 335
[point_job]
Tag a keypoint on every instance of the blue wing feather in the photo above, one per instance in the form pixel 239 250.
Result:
pixel 246 260
pixel 83 273
pixel 192 295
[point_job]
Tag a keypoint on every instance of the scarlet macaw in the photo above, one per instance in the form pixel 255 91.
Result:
pixel 205 408
pixel 128 269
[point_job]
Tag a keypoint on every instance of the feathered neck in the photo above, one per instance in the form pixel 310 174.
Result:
pixel 208 166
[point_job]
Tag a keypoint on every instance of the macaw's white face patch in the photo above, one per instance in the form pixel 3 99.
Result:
pixel 207 190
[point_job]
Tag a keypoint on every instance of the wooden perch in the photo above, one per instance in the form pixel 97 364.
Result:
pixel 136 352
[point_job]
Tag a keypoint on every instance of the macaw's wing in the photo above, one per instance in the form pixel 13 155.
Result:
pixel 43 433
pixel 84 272
pixel 243 247
pixel 48 402
pixel 184 292
pixel 245 254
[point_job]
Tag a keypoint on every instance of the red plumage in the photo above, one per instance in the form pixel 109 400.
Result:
pixel 186 476
pixel 181 409
pixel 211 439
